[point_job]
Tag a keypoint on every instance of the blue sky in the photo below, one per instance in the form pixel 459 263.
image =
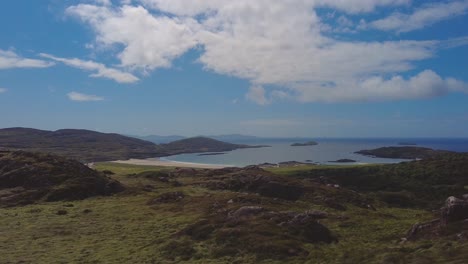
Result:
pixel 310 68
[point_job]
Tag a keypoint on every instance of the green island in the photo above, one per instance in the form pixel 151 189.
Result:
pixel 299 214
pixel 308 143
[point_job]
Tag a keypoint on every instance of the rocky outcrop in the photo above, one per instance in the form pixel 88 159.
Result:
pixel 255 180
pixel 454 211
pixel 27 178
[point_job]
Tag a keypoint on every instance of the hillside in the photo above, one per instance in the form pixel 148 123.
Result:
pixel 422 183
pixel 403 152
pixel 92 146
pixel 83 145
pixel 27 177
pixel 201 144
pixel 160 139
pixel 308 214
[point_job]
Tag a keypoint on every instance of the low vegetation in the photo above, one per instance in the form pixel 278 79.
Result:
pixel 307 214
pixel 27 178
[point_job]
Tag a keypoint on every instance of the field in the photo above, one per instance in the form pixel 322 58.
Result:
pixel 128 228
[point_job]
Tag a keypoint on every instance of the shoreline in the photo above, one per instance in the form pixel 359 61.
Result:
pixel 170 163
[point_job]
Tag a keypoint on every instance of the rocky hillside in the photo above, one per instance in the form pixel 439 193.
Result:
pixel 27 177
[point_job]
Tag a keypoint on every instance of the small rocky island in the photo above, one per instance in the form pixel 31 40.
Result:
pixel 308 143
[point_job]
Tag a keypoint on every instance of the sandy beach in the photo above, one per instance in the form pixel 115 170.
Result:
pixel 168 163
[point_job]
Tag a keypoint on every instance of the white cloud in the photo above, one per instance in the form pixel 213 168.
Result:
pixel 254 40
pixel 3 90
pixel 150 41
pixel 360 6
pixel 79 97
pixel 101 70
pixel 10 60
pixel 426 84
pixel 422 17
pixel 256 94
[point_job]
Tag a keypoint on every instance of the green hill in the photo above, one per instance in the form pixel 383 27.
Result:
pixel 27 177
pixel 92 146
pixel 83 145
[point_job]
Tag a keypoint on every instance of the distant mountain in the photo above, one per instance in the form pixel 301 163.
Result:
pixel 83 145
pixel 201 144
pixel 160 139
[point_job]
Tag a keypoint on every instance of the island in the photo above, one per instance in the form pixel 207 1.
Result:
pixel 403 152
pixel 308 143
pixel 343 161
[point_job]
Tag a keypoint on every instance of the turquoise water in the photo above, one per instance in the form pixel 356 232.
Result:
pixel 326 151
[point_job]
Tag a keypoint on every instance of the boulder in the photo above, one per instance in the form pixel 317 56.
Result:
pixel 455 209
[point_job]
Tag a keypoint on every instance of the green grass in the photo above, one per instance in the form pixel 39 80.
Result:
pixel 124 169
pixel 304 168
pixel 124 229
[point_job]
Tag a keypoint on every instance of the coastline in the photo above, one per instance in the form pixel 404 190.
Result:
pixel 170 163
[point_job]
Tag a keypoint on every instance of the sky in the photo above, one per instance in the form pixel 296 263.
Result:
pixel 273 68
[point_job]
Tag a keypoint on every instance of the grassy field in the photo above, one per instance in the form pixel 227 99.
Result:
pixel 124 228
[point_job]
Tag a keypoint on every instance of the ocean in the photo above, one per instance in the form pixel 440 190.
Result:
pixel 327 151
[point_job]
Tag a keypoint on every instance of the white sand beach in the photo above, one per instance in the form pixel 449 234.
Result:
pixel 168 163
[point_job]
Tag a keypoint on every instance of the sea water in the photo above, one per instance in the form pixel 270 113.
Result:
pixel 326 152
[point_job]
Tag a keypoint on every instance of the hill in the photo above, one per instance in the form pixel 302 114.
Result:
pixel 201 144
pixel 160 139
pixel 83 145
pixel 403 152
pixel 27 177
pixel 92 146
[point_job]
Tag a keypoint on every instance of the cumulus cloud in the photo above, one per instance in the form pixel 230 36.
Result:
pixel 150 41
pixel 271 43
pixel 10 60
pixel 101 70
pixel 3 90
pixel 426 84
pixel 422 17
pixel 360 6
pixel 79 97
